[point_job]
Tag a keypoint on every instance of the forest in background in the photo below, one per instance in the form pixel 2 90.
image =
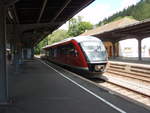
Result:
pixel 140 11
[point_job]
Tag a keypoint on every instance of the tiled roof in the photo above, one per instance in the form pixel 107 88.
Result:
pixel 110 26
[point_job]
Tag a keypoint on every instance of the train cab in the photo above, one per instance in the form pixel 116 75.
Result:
pixel 85 53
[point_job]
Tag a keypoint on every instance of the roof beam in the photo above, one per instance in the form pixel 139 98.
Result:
pixel 16 15
pixel 41 38
pixel 9 16
pixel 87 3
pixel 37 26
pixel 42 11
pixel 60 10
pixel 10 2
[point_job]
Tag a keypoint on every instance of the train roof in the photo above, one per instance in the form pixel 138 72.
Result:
pixel 78 39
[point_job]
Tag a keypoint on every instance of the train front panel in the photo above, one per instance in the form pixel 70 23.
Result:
pixel 95 54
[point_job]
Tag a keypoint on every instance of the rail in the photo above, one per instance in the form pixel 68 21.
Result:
pixel 130 76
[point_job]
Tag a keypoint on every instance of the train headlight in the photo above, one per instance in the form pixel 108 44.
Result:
pixel 99 67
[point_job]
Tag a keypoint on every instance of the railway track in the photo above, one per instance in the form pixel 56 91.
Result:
pixel 138 86
pixel 134 89
pixel 130 80
pixel 129 93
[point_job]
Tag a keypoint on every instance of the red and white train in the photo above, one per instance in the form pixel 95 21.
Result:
pixel 86 53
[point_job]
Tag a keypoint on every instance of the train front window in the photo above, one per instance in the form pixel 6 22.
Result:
pixel 94 50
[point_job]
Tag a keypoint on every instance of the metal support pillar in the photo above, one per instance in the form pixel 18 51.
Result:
pixel 21 56
pixel 3 74
pixel 17 58
pixel 139 49
pixel 11 48
pixel 24 53
pixel 13 54
pixel 32 53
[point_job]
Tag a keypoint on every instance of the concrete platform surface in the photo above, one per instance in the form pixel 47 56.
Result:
pixel 39 88
pixel 133 60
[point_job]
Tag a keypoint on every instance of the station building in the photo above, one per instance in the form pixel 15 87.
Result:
pixel 119 39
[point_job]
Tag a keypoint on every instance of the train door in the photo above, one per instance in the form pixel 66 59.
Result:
pixel 72 55
pixel 60 54
pixel 63 54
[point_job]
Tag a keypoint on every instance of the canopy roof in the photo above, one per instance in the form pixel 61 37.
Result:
pixel 37 18
pixel 122 29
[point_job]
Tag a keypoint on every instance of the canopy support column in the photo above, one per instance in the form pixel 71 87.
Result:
pixel 3 74
pixel 139 49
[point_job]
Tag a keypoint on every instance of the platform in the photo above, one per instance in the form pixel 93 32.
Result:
pixel 41 88
pixel 133 60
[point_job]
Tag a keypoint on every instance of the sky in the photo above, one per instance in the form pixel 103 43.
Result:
pixel 101 9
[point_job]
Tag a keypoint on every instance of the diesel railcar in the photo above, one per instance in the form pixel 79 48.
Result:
pixel 85 53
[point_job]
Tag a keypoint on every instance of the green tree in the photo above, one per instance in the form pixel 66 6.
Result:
pixel 72 30
pixel 82 26
pixel 52 38
pixel 57 35
pixel 77 26
pixel 140 11
pixel 38 48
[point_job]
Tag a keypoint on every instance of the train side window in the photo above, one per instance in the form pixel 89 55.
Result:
pixel 52 52
pixel 55 52
pixel 46 53
pixel 58 50
pixel 66 50
pixel 71 50
pixel 62 50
